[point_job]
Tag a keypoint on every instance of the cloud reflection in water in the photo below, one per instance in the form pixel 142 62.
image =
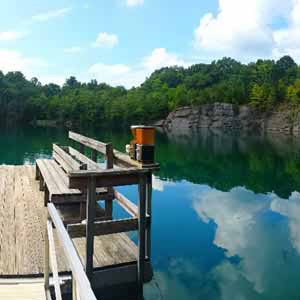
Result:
pixel 263 231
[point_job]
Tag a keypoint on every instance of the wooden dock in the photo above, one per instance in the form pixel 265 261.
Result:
pixel 114 259
pixel 22 230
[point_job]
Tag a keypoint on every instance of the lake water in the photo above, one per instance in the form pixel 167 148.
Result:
pixel 226 211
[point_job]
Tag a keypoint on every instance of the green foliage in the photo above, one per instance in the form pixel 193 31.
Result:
pixel 263 84
pixel 293 92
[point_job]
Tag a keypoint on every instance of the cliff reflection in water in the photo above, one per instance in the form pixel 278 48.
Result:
pixel 260 163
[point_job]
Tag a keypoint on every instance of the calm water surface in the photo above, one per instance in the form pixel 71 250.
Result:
pixel 226 211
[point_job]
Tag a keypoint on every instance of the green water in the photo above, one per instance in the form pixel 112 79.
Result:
pixel 226 211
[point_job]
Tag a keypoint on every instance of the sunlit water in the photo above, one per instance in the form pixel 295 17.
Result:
pixel 226 211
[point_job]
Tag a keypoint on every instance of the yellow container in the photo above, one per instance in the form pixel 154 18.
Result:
pixel 143 135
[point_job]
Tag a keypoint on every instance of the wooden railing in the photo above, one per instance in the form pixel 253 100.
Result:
pixel 140 220
pixel 105 149
pixel 88 180
pixel 97 147
pixel 81 287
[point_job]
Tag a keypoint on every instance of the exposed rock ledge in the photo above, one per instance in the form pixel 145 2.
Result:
pixel 233 117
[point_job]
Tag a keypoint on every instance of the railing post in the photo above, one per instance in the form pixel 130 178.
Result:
pixel 149 212
pixel 94 155
pixel 109 165
pixel 141 235
pixel 90 211
pixel 47 257
pixel 109 156
pixel 81 148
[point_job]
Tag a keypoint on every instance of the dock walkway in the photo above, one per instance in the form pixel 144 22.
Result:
pixel 22 230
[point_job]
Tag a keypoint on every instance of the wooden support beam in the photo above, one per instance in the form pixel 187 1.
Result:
pixel 106 173
pixel 91 204
pixel 118 180
pixel 105 178
pixel 141 234
pixel 129 206
pixel 109 165
pixel 149 213
pixel 105 227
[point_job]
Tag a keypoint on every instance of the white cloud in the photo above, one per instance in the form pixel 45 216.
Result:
pixel 129 76
pixel 115 75
pixel 161 58
pixel 287 40
pixel 73 50
pixel 111 74
pixel 7 36
pixel 11 60
pixel 106 40
pixel 132 3
pixel 43 17
pixel 245 29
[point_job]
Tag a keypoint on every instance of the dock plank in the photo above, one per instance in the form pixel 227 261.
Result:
pixel 22 230
pixel 24 291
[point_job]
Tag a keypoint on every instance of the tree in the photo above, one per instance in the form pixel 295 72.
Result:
pixel 293 92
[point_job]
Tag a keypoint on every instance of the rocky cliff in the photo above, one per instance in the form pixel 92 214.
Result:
pixel 233 117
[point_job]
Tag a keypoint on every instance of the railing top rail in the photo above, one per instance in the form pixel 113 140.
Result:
pixel 89 142
pixel 107 173
pixel 83 284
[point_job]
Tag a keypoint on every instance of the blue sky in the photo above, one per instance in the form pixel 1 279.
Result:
pixel 123 41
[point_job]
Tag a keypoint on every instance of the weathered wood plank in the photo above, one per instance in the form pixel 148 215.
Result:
pixel 91 165
pixel 22 291
pixel 89 142
pixel 46 174
pixel 106 173
pixel 104 227
pixel 105 178
pixel 109 181
pixel 90 217
pixel 61 162
pixel 68 159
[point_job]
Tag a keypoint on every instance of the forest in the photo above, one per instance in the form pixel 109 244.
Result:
pixel 264 84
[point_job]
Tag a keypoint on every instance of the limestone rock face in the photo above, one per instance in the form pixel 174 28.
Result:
pixel 232 117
